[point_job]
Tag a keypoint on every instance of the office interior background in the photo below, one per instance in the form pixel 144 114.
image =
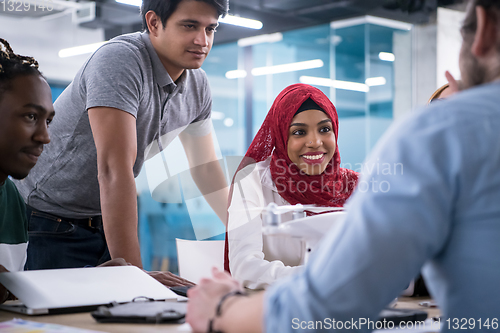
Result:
pixel 376 61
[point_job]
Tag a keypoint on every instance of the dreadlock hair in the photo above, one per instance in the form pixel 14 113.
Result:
pixel 165 8
pixel 13 65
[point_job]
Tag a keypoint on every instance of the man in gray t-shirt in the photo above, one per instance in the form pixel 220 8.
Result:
pixel 132 97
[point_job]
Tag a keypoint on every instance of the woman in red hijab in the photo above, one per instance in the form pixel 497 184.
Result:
pixel 293 159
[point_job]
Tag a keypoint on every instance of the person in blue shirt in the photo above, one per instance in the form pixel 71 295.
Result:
pixel 438 213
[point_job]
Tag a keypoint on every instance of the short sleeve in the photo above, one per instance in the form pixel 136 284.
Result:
pixel 199 128
pixel 113 78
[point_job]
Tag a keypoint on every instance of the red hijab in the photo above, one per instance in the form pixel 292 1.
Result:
pixel 330 188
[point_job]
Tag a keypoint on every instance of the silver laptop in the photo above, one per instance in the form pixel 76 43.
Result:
pixel 79 289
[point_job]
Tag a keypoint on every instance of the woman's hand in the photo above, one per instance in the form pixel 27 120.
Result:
pixel 204 298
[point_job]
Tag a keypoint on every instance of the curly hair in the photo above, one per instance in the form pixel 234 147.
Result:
pixel 13 65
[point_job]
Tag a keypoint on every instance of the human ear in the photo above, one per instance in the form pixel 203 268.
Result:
pixel 485 36
pixel 153 22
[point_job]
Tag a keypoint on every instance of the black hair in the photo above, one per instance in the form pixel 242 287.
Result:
pixel 165 8
pixel 13 65
pixel 308 104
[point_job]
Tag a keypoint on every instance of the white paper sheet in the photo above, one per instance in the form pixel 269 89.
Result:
pixel 196 258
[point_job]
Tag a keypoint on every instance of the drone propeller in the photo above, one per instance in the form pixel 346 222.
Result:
pixel 272 207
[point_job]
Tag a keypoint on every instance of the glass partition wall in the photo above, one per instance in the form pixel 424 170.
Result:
pixel 371 69
pixel 363 65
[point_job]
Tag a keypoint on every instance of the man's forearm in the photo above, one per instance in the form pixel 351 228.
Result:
pixel 210 180
pixel 119 214
pixel 242 314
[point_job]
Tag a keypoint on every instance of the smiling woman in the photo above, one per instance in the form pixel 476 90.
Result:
pixel 311 140
pixel 293 159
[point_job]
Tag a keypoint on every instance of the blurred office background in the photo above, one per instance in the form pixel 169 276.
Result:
pixel 376 60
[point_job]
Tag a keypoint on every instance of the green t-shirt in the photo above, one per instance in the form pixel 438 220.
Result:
pixel 13 228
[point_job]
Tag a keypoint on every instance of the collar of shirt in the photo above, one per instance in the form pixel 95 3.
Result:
pixel 265 175
pixel 162 77
pixel 3 186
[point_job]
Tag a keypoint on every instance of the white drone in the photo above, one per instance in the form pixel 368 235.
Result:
pixel 309 228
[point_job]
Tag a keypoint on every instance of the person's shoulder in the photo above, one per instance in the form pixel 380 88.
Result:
pixel 123 48
pixel 15 227
pixel 131 42
pixel 247 166
pixel 447 125
pixel 483 99
pixel 469 104
pixel 462 111
pixel 250 168
pixel 11 188
pixel 13 194
pixel 123 56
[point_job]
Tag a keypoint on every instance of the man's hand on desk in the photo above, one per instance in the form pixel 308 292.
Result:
pixel 170 280
pixel 115 262
pixel 204 298
pixel 166 278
